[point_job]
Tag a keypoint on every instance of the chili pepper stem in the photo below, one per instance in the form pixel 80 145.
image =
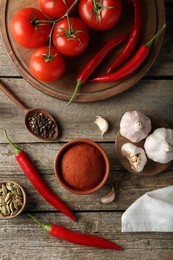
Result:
pixel 46 227
pixel 15 148
pixel 149 43
pixel 79 83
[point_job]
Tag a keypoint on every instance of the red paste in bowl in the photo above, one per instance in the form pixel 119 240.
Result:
pixel 82 166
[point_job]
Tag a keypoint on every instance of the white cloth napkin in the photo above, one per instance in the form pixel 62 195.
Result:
pixel 151 212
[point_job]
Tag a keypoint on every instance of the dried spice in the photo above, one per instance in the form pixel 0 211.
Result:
pixel 11 199
pixel 42 125
pixel 82 166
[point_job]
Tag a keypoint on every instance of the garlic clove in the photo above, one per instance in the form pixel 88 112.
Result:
pixel 102 124
pixel 135 155
pixel 136 163
pixel 109 197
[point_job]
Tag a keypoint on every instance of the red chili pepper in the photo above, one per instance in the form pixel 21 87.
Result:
pixel 38 183
pixel 134 36
pixel 75 237
pixel 132 65
pixel 89 68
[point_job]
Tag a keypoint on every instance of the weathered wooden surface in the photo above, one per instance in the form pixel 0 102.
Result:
pixel 21 238
pixel 77 120
pixel 41 246
pixel 127 185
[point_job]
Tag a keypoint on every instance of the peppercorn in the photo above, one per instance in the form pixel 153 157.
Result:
pixel 42 125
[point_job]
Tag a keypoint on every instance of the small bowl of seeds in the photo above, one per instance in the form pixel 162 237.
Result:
pixel 12 199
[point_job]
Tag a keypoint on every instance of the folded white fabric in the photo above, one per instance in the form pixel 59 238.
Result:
pixel 151 212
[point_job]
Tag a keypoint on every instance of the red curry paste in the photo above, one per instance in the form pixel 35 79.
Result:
pixel 82 166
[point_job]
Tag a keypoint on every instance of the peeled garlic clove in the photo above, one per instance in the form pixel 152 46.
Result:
pixel 102 124
pixel 109 197
pixel 135 155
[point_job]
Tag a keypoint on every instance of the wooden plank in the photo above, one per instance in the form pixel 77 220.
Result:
pixel 127 185
pixel 72 121
pixel 23 239
pixel 6 67
pixel 43 155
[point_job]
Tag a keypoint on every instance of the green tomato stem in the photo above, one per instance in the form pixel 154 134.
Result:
pixel 53 25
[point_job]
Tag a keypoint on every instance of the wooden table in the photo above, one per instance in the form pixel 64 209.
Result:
pixel 23 239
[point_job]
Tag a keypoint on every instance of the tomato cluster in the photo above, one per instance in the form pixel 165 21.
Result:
pixel 53 32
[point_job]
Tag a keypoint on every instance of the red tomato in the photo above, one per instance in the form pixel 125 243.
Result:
pixel 55 8
pixel 44 68
pixel 70 37
pixel 25 29
pixel 100 14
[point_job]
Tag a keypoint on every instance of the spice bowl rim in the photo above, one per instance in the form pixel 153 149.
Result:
pixel 57 163
pixel 23 195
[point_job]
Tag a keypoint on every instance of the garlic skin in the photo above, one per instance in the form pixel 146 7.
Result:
pixel 102 124
pixel 135 155
pixel 159 145
pixel 135 126
pixel 109 197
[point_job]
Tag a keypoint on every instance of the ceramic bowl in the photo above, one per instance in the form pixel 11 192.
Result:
pixel 58 166
pixel 12 199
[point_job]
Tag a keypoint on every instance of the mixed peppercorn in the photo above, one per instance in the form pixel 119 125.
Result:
pixel 42 125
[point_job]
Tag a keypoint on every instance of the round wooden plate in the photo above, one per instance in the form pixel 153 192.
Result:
pixel 153 19
pixel 151 168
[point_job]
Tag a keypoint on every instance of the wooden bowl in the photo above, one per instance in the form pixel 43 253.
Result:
pixel 153 19
pixel 58 167
pixel 8 203
pixel 151 168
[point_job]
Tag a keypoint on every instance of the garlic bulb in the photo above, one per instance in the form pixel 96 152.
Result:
pixel 159 145
pixel 135 126
pixel 135 155
pixel 109 197
pixel 102 124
